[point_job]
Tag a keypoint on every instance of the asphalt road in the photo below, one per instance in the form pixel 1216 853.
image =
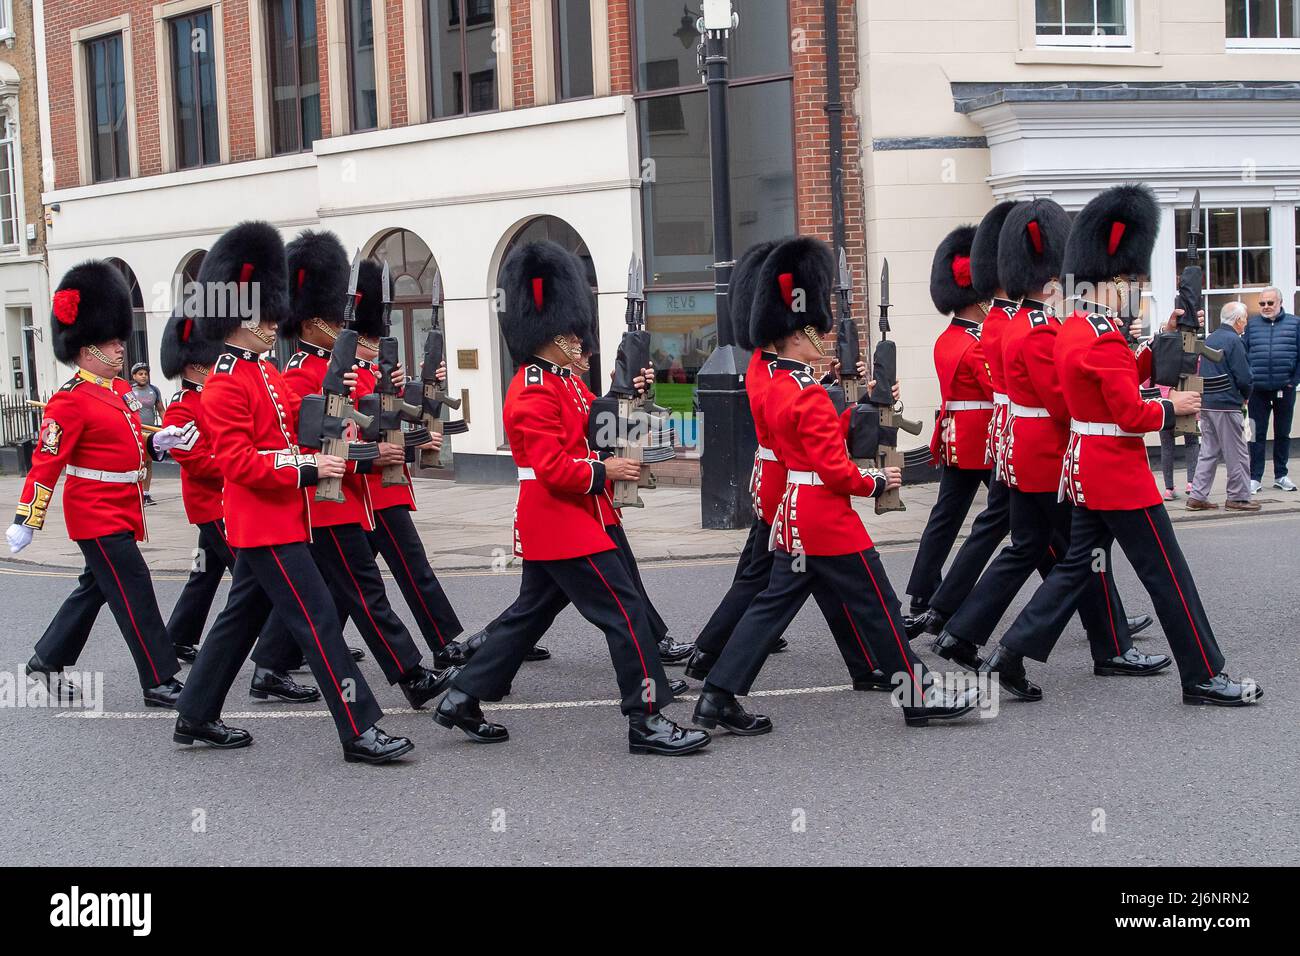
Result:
pixel 1104 771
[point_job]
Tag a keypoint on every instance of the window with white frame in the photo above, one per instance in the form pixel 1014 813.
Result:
pixel 6 19
pixel 1086 23
pixel 8 189
pixel 1236 255
pixel 1257 23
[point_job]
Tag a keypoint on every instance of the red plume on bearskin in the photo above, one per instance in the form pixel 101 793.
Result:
pixel 181 347
pixel 961 271
pixel 984 250
pixel 91 306
pixel 1114 235
pixel 952 286
pixel 1032 247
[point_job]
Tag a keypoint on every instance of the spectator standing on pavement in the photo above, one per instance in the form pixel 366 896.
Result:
pixel 151 409
pixel 1191 445
pixel 1272 342
pixel 1227 388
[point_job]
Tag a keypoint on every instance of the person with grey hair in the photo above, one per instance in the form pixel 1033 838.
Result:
pixel 1228 386
pixel 1272 341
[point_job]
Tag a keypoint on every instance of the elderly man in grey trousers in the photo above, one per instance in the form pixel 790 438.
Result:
pixel 1227 388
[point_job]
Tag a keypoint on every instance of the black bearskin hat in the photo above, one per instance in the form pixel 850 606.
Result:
pixel 251 252
pixel 1032 247
pixel 318 269
pixel 793 290
pixel 369 317
pixel 182 345
pixel 546 293
pixel 984 250
pixel 744 279
pixel 951 286
pixel 92 305
pixel 1114 235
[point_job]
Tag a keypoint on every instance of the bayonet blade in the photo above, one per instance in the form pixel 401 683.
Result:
pixel 350 307
pixel 635 280
pixel 387 282
pixel 437 291
pixel 1196 214
pixel 884 285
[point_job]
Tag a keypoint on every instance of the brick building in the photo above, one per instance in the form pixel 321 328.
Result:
pixel 24 285
pixel 434 134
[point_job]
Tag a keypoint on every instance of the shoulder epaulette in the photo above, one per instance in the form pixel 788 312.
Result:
pixel 178 396
pixel 974 332
pixel 71 383
pixel 803 379
pixel 1100 324
pixel 225 363
pixel 296 360
pixel 533 375
pixel 1038 318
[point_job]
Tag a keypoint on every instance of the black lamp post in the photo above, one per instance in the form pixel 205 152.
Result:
pixel 727 437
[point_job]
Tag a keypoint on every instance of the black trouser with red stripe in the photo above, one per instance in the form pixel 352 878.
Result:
pixel 599 586
pixel 1040 536
pixel 283 579
pixel 987 532
pixel 346 562
pixel 753 573
pixel 545 606
pixel 855 583
pixel 116 575
pixel 957 488
pixel 1147 539
pixel 397 540
pixel 212 559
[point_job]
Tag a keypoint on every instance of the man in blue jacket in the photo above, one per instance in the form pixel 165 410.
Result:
pixel 1273 345
pixel 1227 387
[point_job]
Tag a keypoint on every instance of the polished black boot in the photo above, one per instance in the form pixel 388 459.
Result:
pixel 61 688
pixel 454 654
pixel 700 664
pixel 914 620
pixel 1010 668
pixel 678 686
pixel 943 706
pixel 1138 623
pixel 670 652
pixel 780 646
pixel 931 622
pixel 214 733
pixel 1223 691
pixel 459 710
pixel 185 653
pixel 876 680
pixel 357 653
pixel 537 653
pixel 421 685
pixel 375 746
pixel 164 695
pixel 656 734
pixel 718 708
pixel 1131 663
pixel 958 650
pixel 278 684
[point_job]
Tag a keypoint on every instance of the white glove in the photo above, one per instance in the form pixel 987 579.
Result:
pixel 176 436
pixel 19 537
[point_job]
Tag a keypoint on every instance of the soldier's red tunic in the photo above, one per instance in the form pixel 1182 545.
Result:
pixel 557 515
pixel 92 427
pixel 252 420
pixel 201 478
pixel 767 479
pixel 393 496
pixel 1106 466
pixel 814 516
pixel 992 340
pixel 961 436
pixel 1040 420
pixel 609 515
pixel 305 374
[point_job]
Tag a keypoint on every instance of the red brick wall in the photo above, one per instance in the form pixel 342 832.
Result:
pixel 322 60
pixel 521 51
pixel 620 46
pixel 396 62
pixel 239 82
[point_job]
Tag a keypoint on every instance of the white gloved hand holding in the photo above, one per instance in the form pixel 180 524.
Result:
pixel 176 436
pixel 19 537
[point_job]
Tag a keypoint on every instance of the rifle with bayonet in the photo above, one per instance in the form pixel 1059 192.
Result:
pixel 876 418
pixel 640 430
pixel 1176 356
pixel 323 419
pixel 428 395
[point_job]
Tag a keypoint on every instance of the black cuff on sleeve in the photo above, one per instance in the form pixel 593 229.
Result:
pixel 154 453
pixel 597 478
pixel 21 519
pixel 1170 417
pixel 365 466
pixel 308 476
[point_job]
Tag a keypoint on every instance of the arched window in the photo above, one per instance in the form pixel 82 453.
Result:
pixel 137 343
pixel 562 234
pixel 412 268
pixel 189 269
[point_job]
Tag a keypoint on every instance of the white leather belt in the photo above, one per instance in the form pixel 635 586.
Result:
pixel 1109 429
pixel 527 474
pixel 766 454
pixel 1026 411
pixel 1000 399
pixel 967 406
pixel 113 477
pixel 804 478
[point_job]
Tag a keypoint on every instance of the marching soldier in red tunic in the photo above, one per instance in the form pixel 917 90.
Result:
pixel 318 289
pixel 1031 248
pixel 1106 473
pixel 188 355
pixel 558 528
pixel 819 541
pixel 91 428
pixel 252 419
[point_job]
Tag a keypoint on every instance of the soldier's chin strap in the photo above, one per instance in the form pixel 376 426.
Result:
pixel 324 329
pixel 815 338
pixel 574 352
pixel 100 356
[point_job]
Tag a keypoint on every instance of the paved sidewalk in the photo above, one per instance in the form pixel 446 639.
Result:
pixel 469 526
